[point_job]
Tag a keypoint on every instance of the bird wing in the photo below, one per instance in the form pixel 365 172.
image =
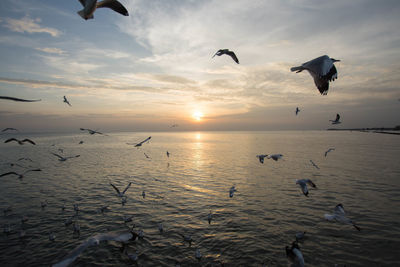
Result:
pixel 303 185
pixel 34 170
pixel 339 209
pixel 320 65
pixel 29 141
pixel 9 129
pixel 58 155
pixel 337 117
pixel 11 139
pixel 308 181
pixel 321 83
pixel 8 173
pixel 18 99
pixel 114 5
pixel 116 189
pixel 233 56
pixel 83 2
pixel 330 217
pixel 126 188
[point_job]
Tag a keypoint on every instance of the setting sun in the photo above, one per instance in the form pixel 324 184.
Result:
pixel 197 115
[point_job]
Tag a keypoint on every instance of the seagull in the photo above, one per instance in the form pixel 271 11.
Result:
pixel 21 142
pixel 160 228
pixel 77 228
pixel 167 154
pixel 43 204
pixel 315 165
pixel 227 52
pixel 336 121
pixel 147 157
pixel 303 184
pixel 68 221
pixel 261 158
pixel 322 70
pixel 297 110
pixel 231 191
pixel 91 132
pixel 22 175
pixel 61 158
pixel 329 150
pixel 197 254
pixel 90 6
pixel 209 217
pixel 295 254
pixel 80 142
pixel 19 99
pixel 140 143
pixel 174 125
pixel 27 159
pixel 275 156
pixel 127 218
pixel 66 101
pixel 187 238
pixel 123 192
pixel 300 235
pixel 76 208
pixel 339 216
pixel 121 236
pixel 144 194
pixel 9 129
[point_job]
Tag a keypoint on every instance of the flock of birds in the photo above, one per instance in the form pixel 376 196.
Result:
pixel 323 71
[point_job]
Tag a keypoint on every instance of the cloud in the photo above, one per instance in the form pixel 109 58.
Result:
pixel 51 50
pixel 29 25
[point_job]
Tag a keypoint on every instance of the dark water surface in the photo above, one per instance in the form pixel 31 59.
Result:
pixel 250 229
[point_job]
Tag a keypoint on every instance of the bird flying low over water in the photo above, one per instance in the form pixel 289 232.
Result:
pixel 315 165
pixel 322 70
pixel 20 175
pixel 303 185
pixel 232 191
pixel 90 6
pixel 21 142
pixel 140 143
pixel 339 216
pixel 337 120
pixel 91 132
pixel 295 254
pixel 118 192
pixel 61 158
pixel 297 110
pixel 66 101
pixel 329 150
pixel 19 99
pixel 9 129
pixel 227 52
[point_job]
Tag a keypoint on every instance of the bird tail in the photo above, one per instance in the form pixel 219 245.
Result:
pixel 297 69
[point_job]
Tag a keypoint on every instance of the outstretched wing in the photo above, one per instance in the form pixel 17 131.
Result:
pixel 34 170
pixel 8 173
pixel 57 156
pixel 29 141
pixel 233 56
pixel 11 139
pixel 126 188
pixel 114 5
pixel 116 189
pixel 19 99
pixel 308 181
pixel 339 209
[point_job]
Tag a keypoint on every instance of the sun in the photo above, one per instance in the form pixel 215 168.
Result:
pixel 197 115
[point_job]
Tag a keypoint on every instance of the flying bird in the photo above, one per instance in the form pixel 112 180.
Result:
pixel 261 158
pixel 140 143
pixel 9 129
pixel 322 70
pixel 91 132
pixel 147 157
pixel 90 6
pixel 336 121
pixel 329 150
pixel 20 175
pixel 61 158
pixel 227 52
pixel 232 191
pixel 303 185
pixel 209 218
pixel 297 110
pixel 19 99
pixel 123 192
pixel 339 216
pixel 66 101
pixel 315 165
pixel 167 154
pixel 21 142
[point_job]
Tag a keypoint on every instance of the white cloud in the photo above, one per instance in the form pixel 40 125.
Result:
pixel 51 50
pixel 29 25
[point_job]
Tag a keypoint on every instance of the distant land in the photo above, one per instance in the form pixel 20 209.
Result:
pixel 381 130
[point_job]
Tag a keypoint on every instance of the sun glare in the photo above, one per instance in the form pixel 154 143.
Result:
pixel 197 115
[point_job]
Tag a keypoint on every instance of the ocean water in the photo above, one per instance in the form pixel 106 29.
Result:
pixel 250 229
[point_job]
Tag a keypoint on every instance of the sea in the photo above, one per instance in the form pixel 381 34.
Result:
pixel 252 228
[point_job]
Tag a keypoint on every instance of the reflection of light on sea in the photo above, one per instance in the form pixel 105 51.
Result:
pixel 198 150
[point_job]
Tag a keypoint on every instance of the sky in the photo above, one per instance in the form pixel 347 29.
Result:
pixel 154 68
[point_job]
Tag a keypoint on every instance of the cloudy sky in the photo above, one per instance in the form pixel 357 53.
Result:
pixel 154 68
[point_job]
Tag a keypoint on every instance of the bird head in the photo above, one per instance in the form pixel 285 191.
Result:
pixel 335 60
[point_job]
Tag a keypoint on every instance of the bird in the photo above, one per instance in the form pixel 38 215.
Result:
pixel 123 192
pixel 295 254
pixel 9 129
pixel 209 218
pixel 261 158
pixel 68 221
pixel 275 156
pixel 19 99
pixel 144 194
pixel 20 175
pixel 303 185
pixel 52 237
pixel 227 52
pixel 336 121
pixel 76 208
pixel 187 238
pixel 147 157
pixel 127 218
pixel 197 254
pixel 140 143
pixel 329 150
pixel 90 6
pixel 232 191
pixel 66 101
pixel 140 234
pixel 20 142
pixel 61 158
pixel 44 204
pixel 160 228
pixel 167 154
pixel 300 235
pixel 315 165
pixel 27 159
pixel 91 132
pixel 297 110
pixel 80 142
pixel 322 70
pixel 174 125
pixel 339 216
